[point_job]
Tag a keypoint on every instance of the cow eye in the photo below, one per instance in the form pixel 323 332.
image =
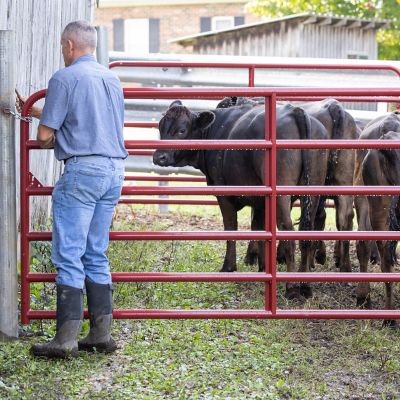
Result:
pixel 182 131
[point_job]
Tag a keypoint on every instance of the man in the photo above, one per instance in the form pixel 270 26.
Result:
pixel 83 120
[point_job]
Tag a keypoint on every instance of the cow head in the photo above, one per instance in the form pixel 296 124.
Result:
pixel 179 123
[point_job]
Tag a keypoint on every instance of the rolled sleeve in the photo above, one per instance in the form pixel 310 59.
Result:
pixel 56 105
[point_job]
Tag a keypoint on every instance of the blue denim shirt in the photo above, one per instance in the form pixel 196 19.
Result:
pixel 85 106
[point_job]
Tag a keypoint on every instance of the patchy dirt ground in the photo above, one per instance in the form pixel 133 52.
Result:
pixel 210 359
pixel 332 340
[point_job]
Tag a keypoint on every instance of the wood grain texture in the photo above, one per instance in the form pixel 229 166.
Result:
pixel 38 25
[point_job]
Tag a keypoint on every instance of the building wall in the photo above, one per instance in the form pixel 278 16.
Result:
pixel 289 39
pixel 175 21
pixel 279 39
pixel 331 42
pixel 38 26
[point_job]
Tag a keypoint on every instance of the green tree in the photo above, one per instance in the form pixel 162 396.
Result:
pixel 388 39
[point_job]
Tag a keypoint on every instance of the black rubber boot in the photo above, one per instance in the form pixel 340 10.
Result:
pixel 69 321
pixel 99 338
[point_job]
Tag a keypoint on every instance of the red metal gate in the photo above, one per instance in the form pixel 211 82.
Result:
pixel 31 187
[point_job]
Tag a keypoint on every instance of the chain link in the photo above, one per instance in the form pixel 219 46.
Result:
pixel 16 115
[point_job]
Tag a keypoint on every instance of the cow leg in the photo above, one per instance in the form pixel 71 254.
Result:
pixel 384 248
pixel 344 222
pixel 258 224
pixel 284 223
pixel 380 221
pixel 363 250
pixel 252 252
pixel 229 216
pixel 280 253
pixel 375 258
pixel 319 225
pixel 309 206
pixel 252 248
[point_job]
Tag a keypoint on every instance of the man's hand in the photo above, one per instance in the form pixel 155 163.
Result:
pixel 34 111
pixel 45 137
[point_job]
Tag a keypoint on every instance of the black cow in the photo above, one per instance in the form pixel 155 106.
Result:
pixel 340 125
pixel 377 167
pixel 246 167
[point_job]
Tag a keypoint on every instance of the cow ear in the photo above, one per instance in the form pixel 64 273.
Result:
pixel 175 103
pixel 205 119
pixel 227 102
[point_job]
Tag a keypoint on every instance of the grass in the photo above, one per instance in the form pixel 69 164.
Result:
pixel 206 359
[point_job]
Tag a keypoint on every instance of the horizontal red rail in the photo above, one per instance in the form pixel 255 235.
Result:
pixel 239 314
pixel 163 178
pixel 170 201
pixel 252 66
pixel 178 235
pixel 242 190
pixel 218 93
pixel 236 277
pixel 176 190
pixel 141 124
pixel 253 144
pixel 381 99
pixel 239 235
pixel 141 152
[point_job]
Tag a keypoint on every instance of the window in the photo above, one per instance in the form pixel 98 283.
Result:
pixel 357 55
pixel 136 32
pixel 220 23
pixel 139 35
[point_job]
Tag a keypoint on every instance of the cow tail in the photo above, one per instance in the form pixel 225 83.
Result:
pixel 336 112
pixel 304 125
pixel 393 226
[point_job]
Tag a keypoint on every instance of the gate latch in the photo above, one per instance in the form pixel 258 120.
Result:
pixel 16 115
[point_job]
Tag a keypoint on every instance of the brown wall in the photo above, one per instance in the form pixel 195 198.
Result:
pixel 175 21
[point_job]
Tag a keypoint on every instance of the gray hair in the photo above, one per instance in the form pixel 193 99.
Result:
pixel 81 33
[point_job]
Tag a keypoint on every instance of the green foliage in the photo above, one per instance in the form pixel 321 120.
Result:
pixel 388 40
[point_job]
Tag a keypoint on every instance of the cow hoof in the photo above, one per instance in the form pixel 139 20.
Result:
pixel 293 293
pixel 364 302
pixel 250 259
pixel 227 269
pixel 375 259
pixel 390 323
pixel 280 258
pixel 345 268
pixel 305 290
pixel 320 257
pixel 337 262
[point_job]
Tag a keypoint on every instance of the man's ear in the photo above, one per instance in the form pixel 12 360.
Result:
pixel 175 103
pixel 205 119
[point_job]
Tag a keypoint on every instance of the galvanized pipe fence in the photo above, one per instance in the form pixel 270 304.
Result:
pixel 251 71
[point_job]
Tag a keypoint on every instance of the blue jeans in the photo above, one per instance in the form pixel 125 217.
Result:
pixel 84 199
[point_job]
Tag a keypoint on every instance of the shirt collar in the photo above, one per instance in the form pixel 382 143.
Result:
pixel 85 57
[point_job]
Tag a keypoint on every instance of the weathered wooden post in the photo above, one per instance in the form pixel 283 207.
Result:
pixel 102 46
pixel 8 233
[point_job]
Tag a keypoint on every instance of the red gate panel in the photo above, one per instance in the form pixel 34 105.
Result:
pixel 30 187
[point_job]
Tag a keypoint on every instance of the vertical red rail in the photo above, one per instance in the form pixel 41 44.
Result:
pixel 25 223
pixel 251 75
pixel 272 209
pixel 270 203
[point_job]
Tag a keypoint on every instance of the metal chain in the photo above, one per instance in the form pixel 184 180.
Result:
pixel 16 115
